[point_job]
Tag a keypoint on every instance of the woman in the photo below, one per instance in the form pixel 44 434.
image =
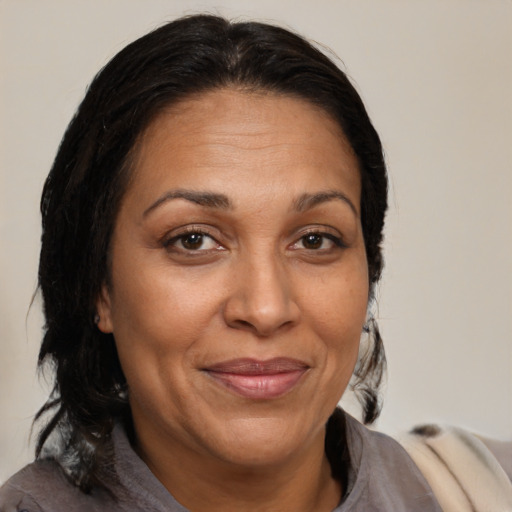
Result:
pixel 211 243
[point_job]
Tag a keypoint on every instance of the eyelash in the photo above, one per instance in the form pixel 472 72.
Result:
pixel 191 230
pixel 170 243
pixel 336 240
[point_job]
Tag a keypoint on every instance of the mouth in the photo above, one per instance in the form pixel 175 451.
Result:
pixel 260 380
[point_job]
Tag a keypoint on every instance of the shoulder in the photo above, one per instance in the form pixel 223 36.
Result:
pixel 386 476
pixel 378 445
pixel 381 451
pixel 43 487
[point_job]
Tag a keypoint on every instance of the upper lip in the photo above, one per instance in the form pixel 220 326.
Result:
pixel 249 366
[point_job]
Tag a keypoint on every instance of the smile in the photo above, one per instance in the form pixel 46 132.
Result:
pixel 261 380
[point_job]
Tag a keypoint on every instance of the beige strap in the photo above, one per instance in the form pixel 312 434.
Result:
pixel 463 473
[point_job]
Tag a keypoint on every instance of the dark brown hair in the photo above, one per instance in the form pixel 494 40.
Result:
pixel 83 191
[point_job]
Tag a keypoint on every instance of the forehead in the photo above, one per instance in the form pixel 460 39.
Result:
pixel 252 111
pixel 222 134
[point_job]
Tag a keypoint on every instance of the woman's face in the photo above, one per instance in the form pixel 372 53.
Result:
pixel 239 280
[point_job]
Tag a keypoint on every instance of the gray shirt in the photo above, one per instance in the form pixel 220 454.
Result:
pixel 382 477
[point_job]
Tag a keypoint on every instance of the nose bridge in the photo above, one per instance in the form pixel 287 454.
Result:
pixel 262 298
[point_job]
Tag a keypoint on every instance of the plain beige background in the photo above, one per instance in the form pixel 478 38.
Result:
pixel 436 77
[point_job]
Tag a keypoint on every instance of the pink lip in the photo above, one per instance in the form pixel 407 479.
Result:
pixel 256 379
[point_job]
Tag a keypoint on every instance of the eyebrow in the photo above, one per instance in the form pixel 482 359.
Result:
pixel 308 201
pixel 208 199
pixel 215 200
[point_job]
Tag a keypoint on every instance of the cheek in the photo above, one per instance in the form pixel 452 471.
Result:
pixel 338 302
pixel 158 318
pixel 160 305
pixel 337 308
pixel 161 319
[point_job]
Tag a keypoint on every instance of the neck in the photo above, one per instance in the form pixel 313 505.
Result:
pixel 302 483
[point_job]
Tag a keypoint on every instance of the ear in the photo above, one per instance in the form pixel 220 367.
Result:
pixel 104 311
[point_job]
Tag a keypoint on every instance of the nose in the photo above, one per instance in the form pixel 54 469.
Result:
pixel 261 299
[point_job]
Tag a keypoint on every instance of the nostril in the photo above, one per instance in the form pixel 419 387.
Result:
pixel 258 329
pixel 245 323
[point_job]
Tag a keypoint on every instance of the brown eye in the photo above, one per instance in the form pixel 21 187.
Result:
pixel 192 241
pixel 318 241
pixel 312 241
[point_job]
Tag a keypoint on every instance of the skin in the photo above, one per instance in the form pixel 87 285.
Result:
pixel 253 285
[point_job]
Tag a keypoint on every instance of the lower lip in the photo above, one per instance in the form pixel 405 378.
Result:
pixel 259 387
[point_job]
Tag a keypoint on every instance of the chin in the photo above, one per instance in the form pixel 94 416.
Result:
pixel 262 442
